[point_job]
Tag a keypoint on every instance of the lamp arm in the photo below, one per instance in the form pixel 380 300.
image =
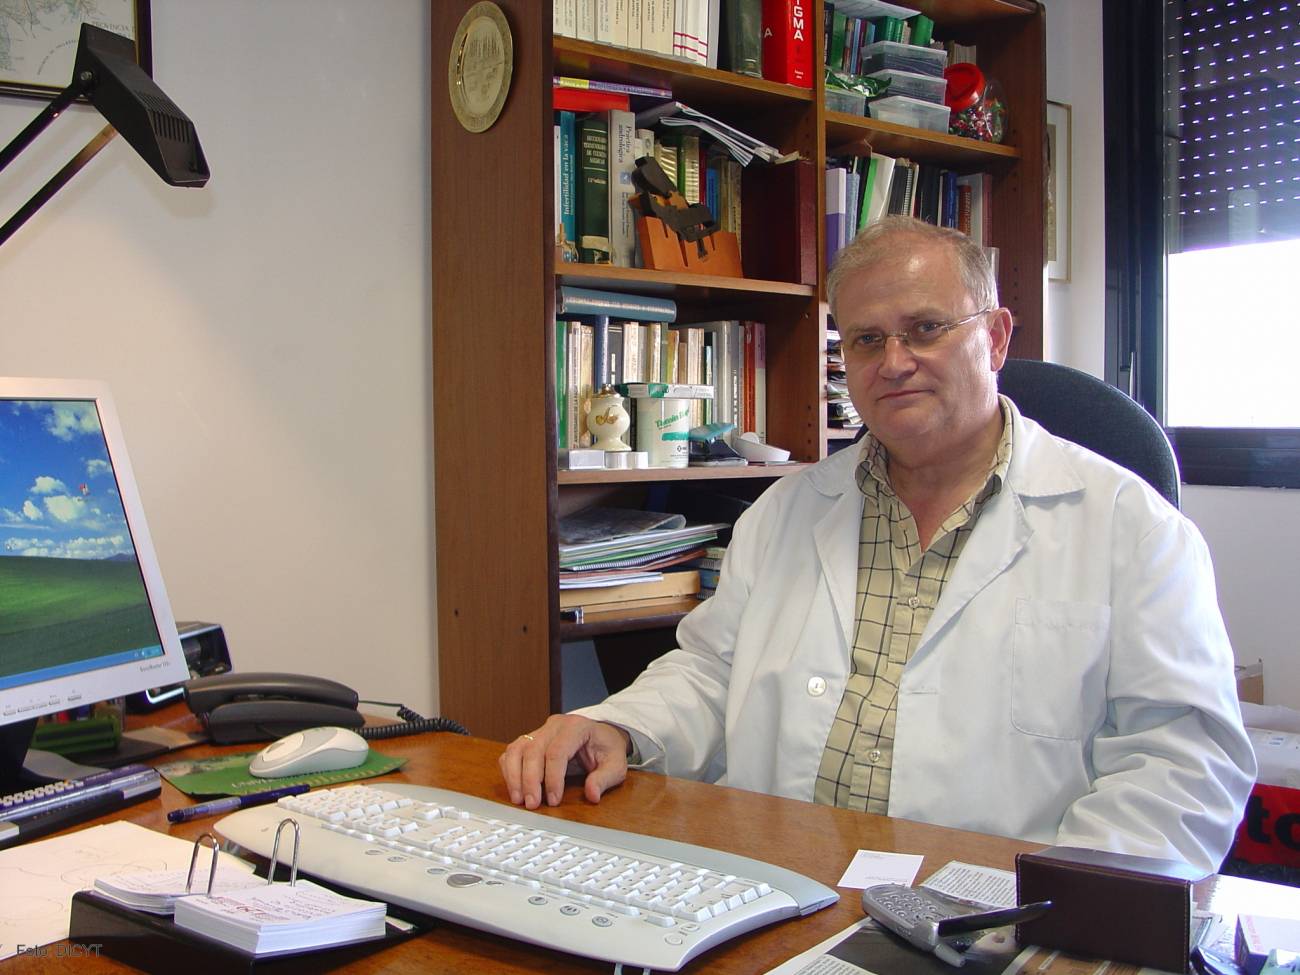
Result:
pixel 55 182
pixel 80 85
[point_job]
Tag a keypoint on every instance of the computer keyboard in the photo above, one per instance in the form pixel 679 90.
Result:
pixel 622 897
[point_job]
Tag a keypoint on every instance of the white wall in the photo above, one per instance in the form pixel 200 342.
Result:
pixel 1252 532
pixel 1075 326
pixel 266 338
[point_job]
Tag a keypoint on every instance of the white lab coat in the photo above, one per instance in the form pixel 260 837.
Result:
pixel 1074 684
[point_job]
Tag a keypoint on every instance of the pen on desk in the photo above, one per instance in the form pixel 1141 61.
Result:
pixel 233 802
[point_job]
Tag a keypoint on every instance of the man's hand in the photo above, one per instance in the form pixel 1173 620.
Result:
pixel 536 763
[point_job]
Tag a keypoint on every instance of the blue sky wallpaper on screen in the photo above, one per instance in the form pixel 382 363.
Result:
pixel 58 496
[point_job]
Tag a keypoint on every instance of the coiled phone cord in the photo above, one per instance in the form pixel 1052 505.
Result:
pixel 413 723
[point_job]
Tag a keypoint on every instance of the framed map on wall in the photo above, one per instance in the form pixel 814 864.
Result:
pixel 38 40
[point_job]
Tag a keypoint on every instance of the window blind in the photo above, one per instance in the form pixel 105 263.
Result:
pixel 1233 122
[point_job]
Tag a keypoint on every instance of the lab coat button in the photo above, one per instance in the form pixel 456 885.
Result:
pixel 816 686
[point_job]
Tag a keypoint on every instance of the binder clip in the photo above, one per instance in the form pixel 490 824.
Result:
pixel 275 852
pixel 675 235
pixel 194 859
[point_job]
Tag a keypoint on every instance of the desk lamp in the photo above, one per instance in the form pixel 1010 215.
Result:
pixel 106 74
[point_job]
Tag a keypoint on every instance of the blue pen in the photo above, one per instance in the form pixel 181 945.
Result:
pixel 233 802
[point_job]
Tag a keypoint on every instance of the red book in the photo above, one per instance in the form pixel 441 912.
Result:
pixel 586 100
pixel 788 42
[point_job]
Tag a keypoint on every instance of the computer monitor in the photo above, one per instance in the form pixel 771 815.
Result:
pixel 85 616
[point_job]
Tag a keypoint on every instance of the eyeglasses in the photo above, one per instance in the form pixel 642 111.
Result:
pixel 920 337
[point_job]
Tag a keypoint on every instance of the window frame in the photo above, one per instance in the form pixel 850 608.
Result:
pixel 1137 133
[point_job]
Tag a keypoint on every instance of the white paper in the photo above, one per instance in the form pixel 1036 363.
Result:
pixel 983 886
pixel 871 867
pixel 815 960
pixel 37 880
pixel 156 890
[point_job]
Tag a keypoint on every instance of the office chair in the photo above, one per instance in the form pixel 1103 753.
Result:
pixel 1074 405
pixel 1077 406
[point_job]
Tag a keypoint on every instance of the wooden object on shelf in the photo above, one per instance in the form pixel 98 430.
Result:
pixel 495 270
pixel 663 250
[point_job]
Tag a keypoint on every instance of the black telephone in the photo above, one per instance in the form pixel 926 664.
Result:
pixel 237 707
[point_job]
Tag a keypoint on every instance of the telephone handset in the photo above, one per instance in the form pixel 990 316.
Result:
pixel 241 707
pixel 237 707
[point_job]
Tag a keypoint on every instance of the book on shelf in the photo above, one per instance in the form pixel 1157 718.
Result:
pixel 571 301
pixel 574 374
pixel 684 582
pixel 622 164
pixel 666 390
pixel 586 20
pixel 657 26
pixel 787 42
pixel 561 385
pixel 274 919
pixel 741 37
pixel 566 201
pixel 634 24
pixel 604 522
pixel 836 206
pixel 588 99
pixel 593 188
pixel 564 18
pixel 758 330
pixel 611 22
pixel 638 549
pixel 618 87
pixel 974 192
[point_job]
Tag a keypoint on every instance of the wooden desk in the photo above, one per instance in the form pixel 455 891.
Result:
pixel 815 840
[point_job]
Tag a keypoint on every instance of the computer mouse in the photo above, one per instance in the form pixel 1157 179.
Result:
pixel 312 750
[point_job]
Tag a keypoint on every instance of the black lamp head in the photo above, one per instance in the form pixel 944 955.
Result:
pixel 129 100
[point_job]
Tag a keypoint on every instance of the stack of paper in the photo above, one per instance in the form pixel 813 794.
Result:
pixel 273 919
pixel 742 147
pixel 637 549
pixel 156 891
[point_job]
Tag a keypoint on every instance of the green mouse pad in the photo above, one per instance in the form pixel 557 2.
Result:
pixel 227 775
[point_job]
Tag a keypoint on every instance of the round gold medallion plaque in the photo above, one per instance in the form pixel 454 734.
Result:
pixel 479 66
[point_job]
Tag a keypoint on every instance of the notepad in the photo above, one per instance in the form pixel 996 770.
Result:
pixel 156 891
pixel 273 919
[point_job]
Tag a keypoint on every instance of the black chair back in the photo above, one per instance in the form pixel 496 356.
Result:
pixel 1080 407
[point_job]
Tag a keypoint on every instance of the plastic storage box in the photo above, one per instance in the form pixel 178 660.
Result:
pixel 852 102
pixel 891 55
pixel 912 112
pixel 923 86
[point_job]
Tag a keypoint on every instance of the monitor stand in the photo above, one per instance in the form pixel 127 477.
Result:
pixel 14 739
pixel 22 767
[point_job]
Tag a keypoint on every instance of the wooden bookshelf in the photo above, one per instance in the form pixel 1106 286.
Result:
pixel 498 492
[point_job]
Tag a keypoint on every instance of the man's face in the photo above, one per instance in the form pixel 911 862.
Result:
pixel 935 396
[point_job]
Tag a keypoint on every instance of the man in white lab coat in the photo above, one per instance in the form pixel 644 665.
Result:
pixel 962 620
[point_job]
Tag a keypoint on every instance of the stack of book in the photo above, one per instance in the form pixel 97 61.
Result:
pixel 598 138
pixel 862 189
pixel 709 566
pixel 623 339
pixel 615 558
pixel 840 411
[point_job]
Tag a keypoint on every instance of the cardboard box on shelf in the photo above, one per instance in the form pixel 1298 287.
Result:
pixel 1250 682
